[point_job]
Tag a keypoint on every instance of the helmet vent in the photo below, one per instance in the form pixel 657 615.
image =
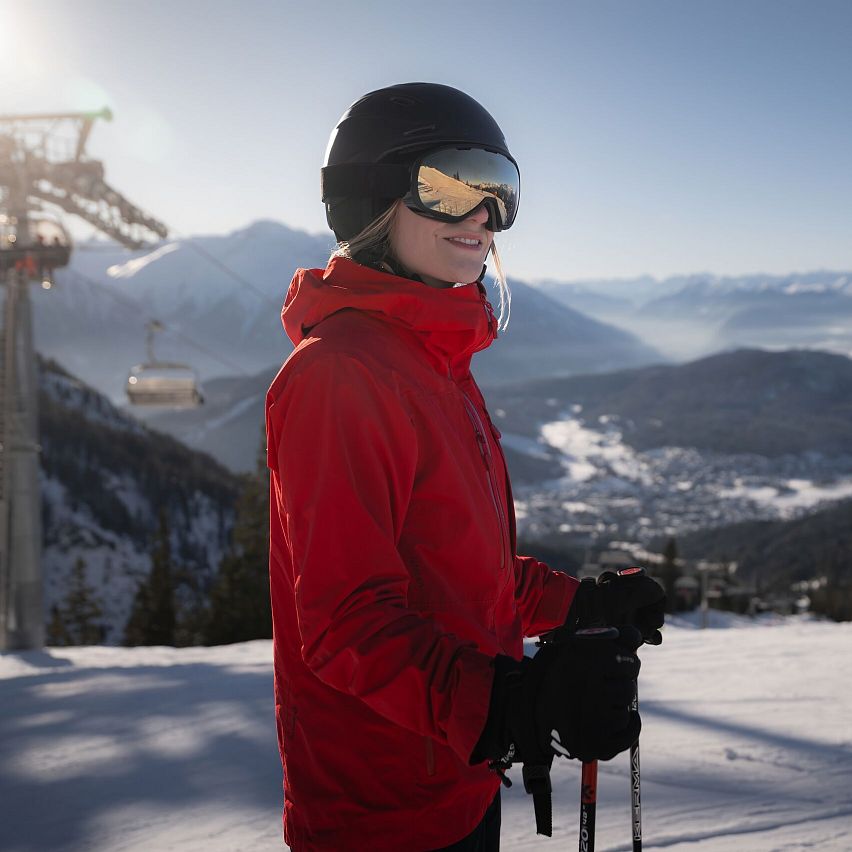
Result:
pixel 401 100
pixel 419 131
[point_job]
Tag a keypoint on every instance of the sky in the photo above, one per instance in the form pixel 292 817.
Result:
pixel 654 137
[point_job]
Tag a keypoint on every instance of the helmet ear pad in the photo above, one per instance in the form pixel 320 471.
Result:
pixel 347 217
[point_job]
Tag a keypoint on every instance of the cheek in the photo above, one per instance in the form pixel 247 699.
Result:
pixel 415 251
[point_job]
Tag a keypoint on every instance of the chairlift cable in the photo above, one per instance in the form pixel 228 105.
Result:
pixel 191 242
pixel 129 302
pixel 219 264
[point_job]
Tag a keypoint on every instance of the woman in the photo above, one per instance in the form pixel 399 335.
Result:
pixel 399 602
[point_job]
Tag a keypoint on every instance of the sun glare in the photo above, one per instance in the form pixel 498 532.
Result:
pixel 28 57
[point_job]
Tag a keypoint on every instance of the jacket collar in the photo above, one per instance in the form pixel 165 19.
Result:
pixel 452 324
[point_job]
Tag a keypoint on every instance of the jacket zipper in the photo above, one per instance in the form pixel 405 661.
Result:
pixel 430 756
pixel 485 452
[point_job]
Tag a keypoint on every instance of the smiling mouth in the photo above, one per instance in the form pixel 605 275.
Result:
pixel 464 242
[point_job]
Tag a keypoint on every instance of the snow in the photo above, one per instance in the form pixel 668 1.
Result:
pixel 796 288
pixel 746 744
pixel 587 451
pixel 132 267
pixel 796 494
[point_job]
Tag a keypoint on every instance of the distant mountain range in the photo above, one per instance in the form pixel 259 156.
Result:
pixel 220 299
pixel 689 316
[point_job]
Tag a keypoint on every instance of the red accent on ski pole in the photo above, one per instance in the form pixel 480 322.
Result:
pixel 629 572
pixel 589 789
pixel 588 805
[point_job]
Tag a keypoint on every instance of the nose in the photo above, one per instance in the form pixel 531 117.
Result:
pixel 478 214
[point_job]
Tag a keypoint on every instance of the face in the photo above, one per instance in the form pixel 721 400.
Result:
pixel 441 253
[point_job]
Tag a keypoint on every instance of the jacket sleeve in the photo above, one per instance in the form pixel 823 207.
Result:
pixel 543 596
pixel 346 455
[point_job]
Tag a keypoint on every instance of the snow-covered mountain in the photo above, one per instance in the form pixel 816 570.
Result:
pixel 688 316
pixel 220 299
pixel 93 321
pixel 104 478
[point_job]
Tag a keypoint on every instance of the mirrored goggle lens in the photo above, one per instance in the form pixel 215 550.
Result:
pixel 454 181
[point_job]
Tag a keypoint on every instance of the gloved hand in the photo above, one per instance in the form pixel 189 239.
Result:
pixel 618 599
pixel 572 699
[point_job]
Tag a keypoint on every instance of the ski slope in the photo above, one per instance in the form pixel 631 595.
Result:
pixel 747 745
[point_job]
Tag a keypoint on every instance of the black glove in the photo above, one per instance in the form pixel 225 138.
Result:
pixel 572 699
pixel 618 599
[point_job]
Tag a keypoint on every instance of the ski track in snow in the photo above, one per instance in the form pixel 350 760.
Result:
pixel 746 745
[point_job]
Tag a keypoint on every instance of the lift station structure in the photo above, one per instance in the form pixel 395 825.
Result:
pixel 43 170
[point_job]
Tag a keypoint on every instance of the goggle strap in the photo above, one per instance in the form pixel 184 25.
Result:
pixel 365 180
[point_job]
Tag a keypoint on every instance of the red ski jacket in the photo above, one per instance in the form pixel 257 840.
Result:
pixel 394 577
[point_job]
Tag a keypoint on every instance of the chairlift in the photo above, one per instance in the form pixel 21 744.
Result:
pixel 162 383
pixel 38 249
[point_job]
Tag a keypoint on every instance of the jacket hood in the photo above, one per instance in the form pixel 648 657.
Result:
pixel 453 323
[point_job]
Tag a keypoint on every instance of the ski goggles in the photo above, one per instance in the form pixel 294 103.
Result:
pixel 448 184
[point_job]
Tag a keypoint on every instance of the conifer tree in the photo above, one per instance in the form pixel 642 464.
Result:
pixel 57 632
pixel 239 600
pixel 82 610
pixel 77 622
pixel 152 619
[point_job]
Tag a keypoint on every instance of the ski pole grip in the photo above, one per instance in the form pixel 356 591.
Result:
pixel 636 571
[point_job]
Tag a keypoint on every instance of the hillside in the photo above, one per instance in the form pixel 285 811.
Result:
pixel 745 401
pixel 104 478
pixel 777 553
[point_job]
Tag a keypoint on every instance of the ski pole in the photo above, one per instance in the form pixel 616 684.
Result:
pixel 589 776
pixel 635 785
pixel 635 778
pixel 588 805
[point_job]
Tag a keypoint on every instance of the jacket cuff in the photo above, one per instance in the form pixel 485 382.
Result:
pixel 556 601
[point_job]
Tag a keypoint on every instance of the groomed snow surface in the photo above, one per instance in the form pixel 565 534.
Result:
pixel 746 745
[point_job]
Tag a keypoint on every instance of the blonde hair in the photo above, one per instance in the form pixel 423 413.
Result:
pixel 374 240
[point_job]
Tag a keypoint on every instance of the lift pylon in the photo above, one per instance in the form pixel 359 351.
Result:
pixel 43 165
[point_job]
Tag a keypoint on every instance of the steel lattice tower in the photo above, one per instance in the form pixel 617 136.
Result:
pixel 43 166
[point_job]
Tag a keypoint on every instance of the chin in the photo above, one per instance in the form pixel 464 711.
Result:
pixel 465 274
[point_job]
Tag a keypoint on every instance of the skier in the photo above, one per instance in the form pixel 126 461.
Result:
pixel 399 602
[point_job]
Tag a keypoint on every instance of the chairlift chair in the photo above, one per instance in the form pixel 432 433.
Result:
pixel 163 383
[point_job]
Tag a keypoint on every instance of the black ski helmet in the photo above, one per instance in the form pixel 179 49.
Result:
pixel 389 127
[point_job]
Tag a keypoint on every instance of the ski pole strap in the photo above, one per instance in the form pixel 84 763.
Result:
pixel 537 784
